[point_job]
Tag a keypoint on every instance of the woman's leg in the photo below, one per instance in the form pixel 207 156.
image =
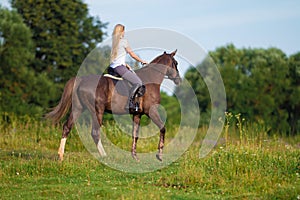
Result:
pixel 134 79
pixel 128 75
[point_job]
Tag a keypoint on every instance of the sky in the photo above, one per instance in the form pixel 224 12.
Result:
pixel 210 23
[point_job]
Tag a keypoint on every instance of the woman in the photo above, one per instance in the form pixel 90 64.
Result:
pixel 120 47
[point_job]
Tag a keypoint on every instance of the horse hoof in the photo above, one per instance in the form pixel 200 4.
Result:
pixel 134 156
pixel 60 157
pixel 159 157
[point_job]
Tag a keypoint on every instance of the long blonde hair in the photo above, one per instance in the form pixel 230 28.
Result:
pixel 116 36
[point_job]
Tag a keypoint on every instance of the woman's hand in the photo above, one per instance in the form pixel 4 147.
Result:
pixel 144 62
pixel 134 56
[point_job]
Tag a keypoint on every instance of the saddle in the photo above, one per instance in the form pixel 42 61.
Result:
pixel 124 88
pixel 112 74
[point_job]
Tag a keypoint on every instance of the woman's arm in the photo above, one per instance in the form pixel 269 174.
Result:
pixel 134 56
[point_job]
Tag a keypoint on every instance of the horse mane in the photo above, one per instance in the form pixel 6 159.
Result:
pixel 151 64
pixel 157 59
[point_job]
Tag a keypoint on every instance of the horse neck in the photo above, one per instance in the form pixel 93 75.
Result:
pixel 154 73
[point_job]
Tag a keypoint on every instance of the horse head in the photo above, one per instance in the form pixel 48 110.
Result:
pixel 172 70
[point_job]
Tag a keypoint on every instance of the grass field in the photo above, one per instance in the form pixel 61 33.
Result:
pixel 246 164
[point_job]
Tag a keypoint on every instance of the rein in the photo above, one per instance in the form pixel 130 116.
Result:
pixel 153 68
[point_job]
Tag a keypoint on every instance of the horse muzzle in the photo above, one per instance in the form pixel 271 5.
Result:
pixel 177 80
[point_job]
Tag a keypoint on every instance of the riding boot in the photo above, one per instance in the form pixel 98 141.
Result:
pixel 131 104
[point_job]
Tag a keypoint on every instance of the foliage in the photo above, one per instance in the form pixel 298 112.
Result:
pixel 41 48
pixel 64 34
pixel 20 86
pixel 261 84
pixel 171 109
pixel 293 103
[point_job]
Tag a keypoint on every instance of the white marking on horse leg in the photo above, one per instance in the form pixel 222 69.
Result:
pixel 61 149
pixel 101 149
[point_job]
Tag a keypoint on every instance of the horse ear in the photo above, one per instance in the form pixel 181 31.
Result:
pixel 173 53
pixel 165 52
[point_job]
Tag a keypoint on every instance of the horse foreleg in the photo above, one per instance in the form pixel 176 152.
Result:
pixel 66 130
pixel 135 135
pixel 154 115
pixel 161 143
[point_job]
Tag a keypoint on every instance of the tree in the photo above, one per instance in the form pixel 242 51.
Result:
pixel 292 103
pixel 19 84
pixel 256 82
pixel 63 32
pixel 261 84
pixel 197 80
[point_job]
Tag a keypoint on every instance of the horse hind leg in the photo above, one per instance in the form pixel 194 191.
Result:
pixel 96 134
pixel 67 127
pixel 61 149
pixel 66 130
pixel 96 137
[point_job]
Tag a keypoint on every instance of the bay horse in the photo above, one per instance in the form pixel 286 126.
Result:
pixel 78 94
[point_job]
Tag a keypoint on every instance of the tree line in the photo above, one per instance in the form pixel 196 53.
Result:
pixel 263 85
pixel 44 42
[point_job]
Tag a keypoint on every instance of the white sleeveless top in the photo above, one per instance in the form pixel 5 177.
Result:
pixel 121 55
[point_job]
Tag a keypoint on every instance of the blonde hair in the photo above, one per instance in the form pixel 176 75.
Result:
pixel 116 36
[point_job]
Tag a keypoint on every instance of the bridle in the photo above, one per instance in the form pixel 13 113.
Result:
pixel 174 67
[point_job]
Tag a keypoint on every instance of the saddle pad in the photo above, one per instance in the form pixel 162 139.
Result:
pixel 122 86
pixel 113 77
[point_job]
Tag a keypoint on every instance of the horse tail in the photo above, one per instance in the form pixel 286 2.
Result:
pixel 64 104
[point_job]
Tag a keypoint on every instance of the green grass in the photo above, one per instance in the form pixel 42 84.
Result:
pixel 246 164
